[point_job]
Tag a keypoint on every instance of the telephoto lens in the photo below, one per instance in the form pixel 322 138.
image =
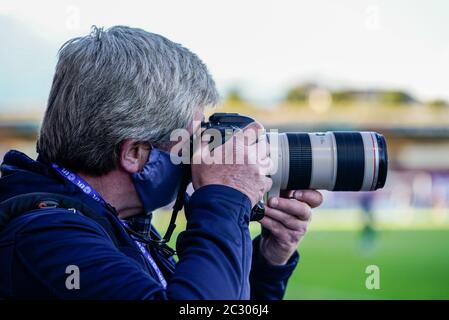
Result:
pixel 335 161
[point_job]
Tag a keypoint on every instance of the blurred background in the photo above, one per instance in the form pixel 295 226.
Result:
pixel 295 66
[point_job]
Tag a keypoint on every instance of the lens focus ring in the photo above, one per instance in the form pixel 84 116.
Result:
pixel 350 161
pixel 300 159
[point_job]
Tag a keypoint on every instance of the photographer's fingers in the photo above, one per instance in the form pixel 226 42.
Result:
pixel 291 207
pixel 258 153
pixel 250 134
pixel 265 166
pixel 312 197
pixel 287 220
pixel 282 233
pixel 267 183
pixel 263 147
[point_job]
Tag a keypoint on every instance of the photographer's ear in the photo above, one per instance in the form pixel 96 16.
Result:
pixel 133 155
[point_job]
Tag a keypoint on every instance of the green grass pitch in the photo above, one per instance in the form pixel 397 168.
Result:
pixel 414 264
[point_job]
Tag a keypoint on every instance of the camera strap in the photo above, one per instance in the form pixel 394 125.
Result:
pixel 179 203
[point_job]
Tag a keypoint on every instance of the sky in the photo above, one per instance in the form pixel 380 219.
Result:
pixel 260 46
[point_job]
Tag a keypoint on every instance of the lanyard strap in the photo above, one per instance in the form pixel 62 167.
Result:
pixel 147 255
pixel 87 189
pixel 79 182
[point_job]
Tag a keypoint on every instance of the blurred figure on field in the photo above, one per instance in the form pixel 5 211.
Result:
pixel 368 234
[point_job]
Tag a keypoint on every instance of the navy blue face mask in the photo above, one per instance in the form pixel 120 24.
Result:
pixel 158 183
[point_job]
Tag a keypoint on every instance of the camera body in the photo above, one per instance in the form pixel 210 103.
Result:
pixel 223 120
pixel 225 123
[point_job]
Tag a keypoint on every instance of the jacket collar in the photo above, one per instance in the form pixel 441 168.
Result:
pixel 20 174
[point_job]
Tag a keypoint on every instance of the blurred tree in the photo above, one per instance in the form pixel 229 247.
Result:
pixel 438 103
pixel 299 93
pixel 342 96
pixel 234 95
pixel 396 97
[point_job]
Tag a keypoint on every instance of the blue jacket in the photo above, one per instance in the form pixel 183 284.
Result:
pixel 217 259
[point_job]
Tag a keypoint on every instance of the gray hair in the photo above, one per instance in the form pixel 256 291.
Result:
pixel 116 84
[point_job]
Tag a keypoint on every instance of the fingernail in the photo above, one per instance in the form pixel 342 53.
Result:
pixel 297 194
pixel 274 202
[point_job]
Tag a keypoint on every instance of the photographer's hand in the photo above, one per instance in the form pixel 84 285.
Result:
pixel 287 220
pixel 248 177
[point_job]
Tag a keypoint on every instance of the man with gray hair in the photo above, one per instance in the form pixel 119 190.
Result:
pixel 76 222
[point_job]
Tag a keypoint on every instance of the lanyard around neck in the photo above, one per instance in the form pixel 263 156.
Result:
pixel 90 191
